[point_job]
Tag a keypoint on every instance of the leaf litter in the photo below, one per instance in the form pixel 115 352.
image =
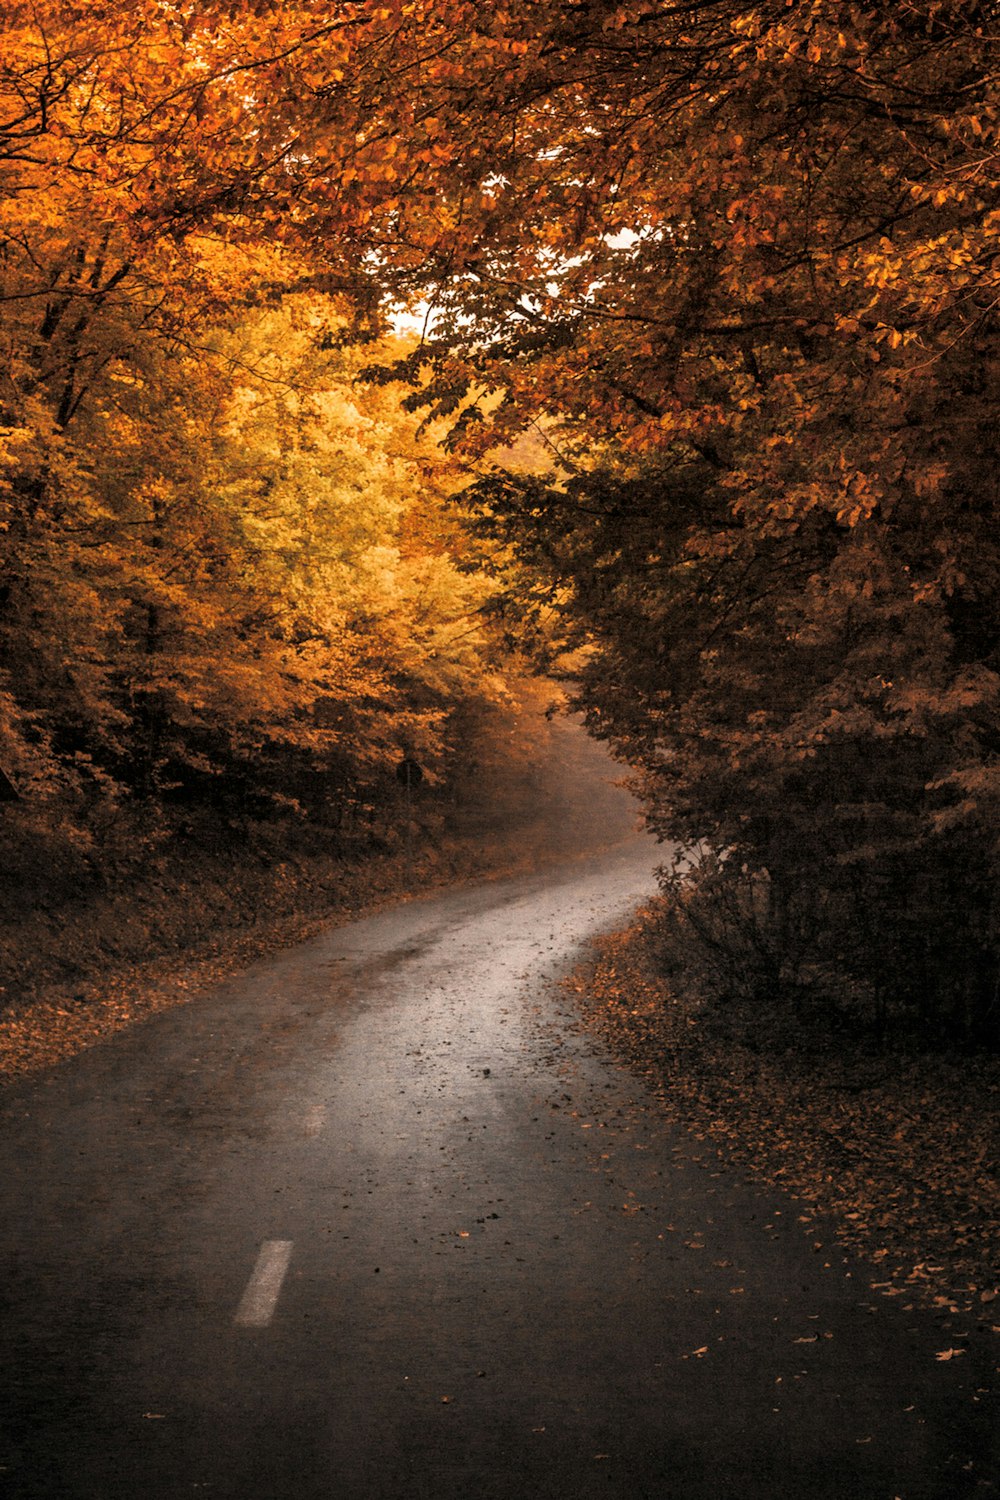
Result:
pixel 897 1150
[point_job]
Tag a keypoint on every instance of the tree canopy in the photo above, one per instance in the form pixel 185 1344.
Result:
pixel 736 261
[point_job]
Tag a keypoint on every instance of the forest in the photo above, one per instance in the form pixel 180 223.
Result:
pixel 359 358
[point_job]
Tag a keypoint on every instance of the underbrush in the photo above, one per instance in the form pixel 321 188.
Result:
pixel 97 934
pixel 78 970
pixel 830 958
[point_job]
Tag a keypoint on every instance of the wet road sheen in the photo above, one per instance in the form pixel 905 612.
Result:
pixel 375 1220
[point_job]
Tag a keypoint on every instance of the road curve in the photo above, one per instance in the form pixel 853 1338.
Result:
pixel 375 1221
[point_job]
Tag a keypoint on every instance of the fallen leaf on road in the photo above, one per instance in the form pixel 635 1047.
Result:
pixel 949 1354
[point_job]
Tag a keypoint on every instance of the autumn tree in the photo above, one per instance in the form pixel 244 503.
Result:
pixel 245 589
pixel 743 252
pixel 788 547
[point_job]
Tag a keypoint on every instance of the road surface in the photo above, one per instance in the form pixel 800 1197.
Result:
pixel 375 1221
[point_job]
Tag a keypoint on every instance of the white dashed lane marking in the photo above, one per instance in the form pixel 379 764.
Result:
pixel 264 1287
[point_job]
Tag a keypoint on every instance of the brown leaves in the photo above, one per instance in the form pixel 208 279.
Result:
pixel 897 1165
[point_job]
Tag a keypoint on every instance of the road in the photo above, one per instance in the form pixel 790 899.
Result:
pixel 376 1221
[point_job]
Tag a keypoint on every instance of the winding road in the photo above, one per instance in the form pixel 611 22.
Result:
pixel 376 1221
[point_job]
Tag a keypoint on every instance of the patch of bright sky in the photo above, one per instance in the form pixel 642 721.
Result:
pixel 406 322
pixel 420 319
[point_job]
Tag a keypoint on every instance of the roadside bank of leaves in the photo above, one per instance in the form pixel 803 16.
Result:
pixel 80 961
pixel 898 1150
pixel 82 973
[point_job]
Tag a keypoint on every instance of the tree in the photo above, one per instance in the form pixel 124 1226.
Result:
pixel 788 547
pixel 242 585
pixel 745 253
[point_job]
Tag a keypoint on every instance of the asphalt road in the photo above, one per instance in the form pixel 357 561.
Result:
pixel 375 1221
